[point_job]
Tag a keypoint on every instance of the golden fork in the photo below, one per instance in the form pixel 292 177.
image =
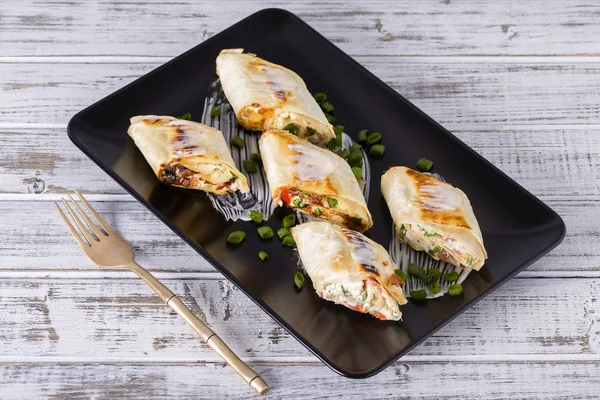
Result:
pixel 107 249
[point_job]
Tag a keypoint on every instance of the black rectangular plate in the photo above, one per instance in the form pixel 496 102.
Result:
pixel 517 227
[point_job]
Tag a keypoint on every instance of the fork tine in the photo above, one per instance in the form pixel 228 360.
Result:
pixel 100 220
pixel 82 227
pixel 93 227
pixel 71 228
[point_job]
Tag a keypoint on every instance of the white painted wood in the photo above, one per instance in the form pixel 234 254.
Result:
pixel 508 93
pixel 405 380
pixel 26 224
pixel 108 320
pixel 456 27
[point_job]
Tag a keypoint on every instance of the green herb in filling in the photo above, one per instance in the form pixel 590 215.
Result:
pixel 424 165
pixel 236 237
pixel 256 216
pixel 215 111
pixel 364 297
pixel 455 290
pixel 344 291
pixel 333 203
pixel 298 202
pixel 289 221
pixel 356 220
pixel 291 128
pixel 418 294
pixel 237 142
pixel 435 250
pixel 299 280
pixel 310 130
pixel 402 230
pixel 262 255
pixel 470 261
pixel 317 211
pixel 430 234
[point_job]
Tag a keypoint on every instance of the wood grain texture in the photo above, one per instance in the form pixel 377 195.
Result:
pixel 409 380
pixel 456 27
pixel 29 223
pixel 454 93
pixel 103 320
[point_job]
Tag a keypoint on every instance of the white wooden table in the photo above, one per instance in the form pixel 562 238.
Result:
pixel 519 81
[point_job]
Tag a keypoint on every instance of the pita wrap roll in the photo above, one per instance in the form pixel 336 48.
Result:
pixel 313 180
pixel 433 216
pixel 349 269
pixel 187 154
pixel 268 96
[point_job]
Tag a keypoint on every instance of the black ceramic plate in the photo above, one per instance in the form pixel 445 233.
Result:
pixel 517 228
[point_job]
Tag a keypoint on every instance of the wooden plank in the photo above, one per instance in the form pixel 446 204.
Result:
pixel 44 161
pixel 548 27
pixel 104 320
pixel 27 224
pixel 508 93
pixel 446 380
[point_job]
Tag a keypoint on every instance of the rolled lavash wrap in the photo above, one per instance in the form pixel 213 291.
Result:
pixel 350 269
pixel 187 154
pixel 268 96
pixel 434 216
pixel 313 180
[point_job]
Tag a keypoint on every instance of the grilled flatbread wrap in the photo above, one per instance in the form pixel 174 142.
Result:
pixel 433 216
pixel 268 96
pixel 187 154
pixel 313 180
pixel 349 269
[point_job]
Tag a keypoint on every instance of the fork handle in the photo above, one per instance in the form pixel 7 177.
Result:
pixel 205 333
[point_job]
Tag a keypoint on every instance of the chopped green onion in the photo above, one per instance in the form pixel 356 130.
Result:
pixel 357 172
pixel 332 144
pixel 424 165
pixel 236 237
pixel 237 142
pixel 291 128
pixel 186 116
pixel 215 111
pixel 451 276
pixel 318 212
pixel 435 250
pixel 288 240
pixel 262 255
pixel 330 118
pixel 363 297
pixel 310 130
pixel 377 150
pixel 430 234
pixel 455 290
pixel 374 137
pixel 289 221
pixel 333 203
pixel 282 232
pixel 338 129
pixel 355 159
pixel 298 202
pixel 356 220
pixel 327 107
pixel 344 291
pixel 418 294
pixel 320 97
pixel 265 232
pixel 400 274
pixel 256 216
pixel 403 231
pixel 415 270
pixel 470 261
pixel 250 166
pixel 256 158
pixel 435 287
pixel 343 153
pixel 355 147
pixel 362 136
pixel 432 275
pixel 299 280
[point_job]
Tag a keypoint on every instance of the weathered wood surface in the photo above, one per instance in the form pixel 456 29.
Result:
pixel 454 27
pixel 99 320
pixel 27 224
pixel 453 92
pixel 518 81
pixel 407 380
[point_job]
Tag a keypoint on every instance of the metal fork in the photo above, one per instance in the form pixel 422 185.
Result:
pixel 107 249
